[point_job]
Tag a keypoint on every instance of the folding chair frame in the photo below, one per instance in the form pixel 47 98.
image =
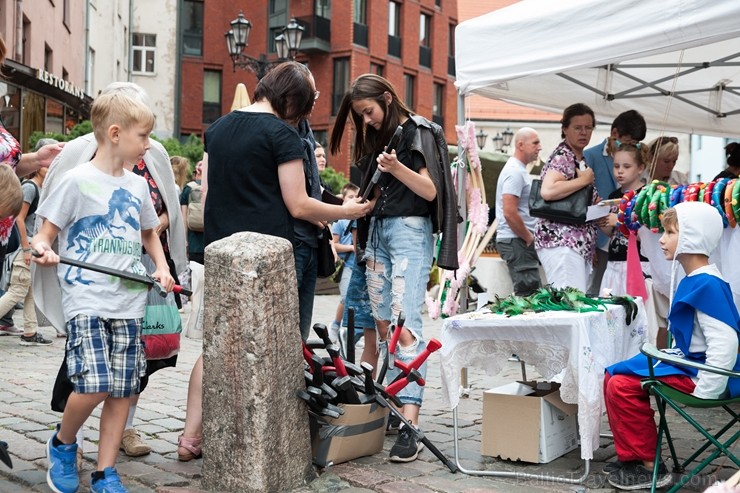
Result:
pixel 664 394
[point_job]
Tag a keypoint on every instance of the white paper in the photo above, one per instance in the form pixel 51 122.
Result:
pixel 483 299
pixel 597 212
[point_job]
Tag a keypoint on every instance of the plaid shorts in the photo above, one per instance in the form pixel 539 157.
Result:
pixel 105 355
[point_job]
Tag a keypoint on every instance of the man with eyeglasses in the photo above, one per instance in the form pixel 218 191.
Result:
pixel 627 127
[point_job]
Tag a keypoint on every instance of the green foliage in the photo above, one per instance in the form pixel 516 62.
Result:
pixel 82 128
pixel 191 149
pixel 334 179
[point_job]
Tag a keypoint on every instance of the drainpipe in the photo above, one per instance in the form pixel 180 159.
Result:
pixel 130 63
pixel 88 75
pixel 178 67
pixel 19 31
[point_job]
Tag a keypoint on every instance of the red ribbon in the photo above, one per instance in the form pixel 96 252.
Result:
pixel 635 278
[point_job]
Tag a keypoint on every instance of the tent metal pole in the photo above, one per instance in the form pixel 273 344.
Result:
pixel 462 207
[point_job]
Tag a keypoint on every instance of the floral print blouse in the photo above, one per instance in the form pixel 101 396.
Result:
pixel 580 238
pixel 141 169
pixel 10 154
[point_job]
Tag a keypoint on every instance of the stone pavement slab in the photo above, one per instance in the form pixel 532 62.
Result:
pixel 26 422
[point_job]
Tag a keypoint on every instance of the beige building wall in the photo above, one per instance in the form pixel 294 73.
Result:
pixel 158 19
pixel 52 36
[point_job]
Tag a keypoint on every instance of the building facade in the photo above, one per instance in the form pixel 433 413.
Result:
pixel 43 87
pixel 408 42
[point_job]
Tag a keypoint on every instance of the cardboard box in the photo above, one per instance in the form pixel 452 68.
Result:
pixel 528 421
pixel 358 432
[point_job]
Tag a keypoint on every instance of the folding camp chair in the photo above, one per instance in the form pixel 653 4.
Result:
pixel 682 404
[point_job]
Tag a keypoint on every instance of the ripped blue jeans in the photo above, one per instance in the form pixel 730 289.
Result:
pixel 399 256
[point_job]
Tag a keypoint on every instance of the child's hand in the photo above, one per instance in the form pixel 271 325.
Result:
pixel 164 278
pixel 44 255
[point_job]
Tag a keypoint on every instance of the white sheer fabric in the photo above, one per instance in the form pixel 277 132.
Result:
pixel 580 345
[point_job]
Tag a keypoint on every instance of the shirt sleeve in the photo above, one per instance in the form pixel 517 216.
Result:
pixel 29 192
pixel 185 195
pixel 721 343
pixel 513 184
pixel 59 206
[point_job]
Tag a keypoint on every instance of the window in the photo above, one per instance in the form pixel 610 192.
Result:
pixel 323 8
pixel 26 45
pixel 451 50
pixel 394 29
pixel 425 45
pixel 425 27
pixel 144 48
pixel 376 69
pixel 65 13
pixel 322 137
pixel 360 12
pixel 408 98
pixel 438 3
pixel 278 6
pixel 438 106
pixel 359 33
pixel 211 96
pixel 192 28
pixel 341 83
pixel 48 58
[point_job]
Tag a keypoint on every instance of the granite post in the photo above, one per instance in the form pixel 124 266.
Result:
pixel 255 430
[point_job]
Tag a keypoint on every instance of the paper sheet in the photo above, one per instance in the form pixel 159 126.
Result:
pixel 597 212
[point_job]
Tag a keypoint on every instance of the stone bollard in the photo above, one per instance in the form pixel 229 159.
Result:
pixel 255 429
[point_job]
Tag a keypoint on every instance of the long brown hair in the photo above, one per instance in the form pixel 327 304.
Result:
pixel 367 139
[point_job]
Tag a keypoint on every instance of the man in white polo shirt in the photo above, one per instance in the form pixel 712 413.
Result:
pixel 515 234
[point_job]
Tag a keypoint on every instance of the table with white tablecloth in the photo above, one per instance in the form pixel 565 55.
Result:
pixel 575 346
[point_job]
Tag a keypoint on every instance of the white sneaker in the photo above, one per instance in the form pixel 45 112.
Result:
pixel 334 332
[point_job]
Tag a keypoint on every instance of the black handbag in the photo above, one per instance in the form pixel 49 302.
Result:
pixel 569 210
pixel 325 255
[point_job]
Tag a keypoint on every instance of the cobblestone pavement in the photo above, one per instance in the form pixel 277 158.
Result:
pixel 26 422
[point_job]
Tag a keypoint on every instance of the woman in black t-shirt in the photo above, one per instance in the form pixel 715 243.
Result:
pixel 399 245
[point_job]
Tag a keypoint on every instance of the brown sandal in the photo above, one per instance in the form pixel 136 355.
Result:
pixel 192 445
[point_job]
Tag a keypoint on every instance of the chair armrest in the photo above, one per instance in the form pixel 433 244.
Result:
pixel 651 351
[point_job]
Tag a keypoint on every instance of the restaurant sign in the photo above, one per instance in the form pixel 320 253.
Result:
pixel 62 84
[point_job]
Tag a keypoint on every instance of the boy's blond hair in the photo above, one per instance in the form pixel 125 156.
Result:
pixel 118 109
pixel 11 200
pixel 670 219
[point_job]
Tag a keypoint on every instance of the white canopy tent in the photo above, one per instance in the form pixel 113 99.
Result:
pixel 613 55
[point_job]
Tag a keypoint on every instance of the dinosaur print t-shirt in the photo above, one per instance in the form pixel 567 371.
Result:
pixel 100 218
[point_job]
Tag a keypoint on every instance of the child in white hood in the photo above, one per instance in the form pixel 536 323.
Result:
pixel 705 326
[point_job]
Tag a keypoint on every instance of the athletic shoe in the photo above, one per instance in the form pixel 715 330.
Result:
pixel 613 466
pixel 407 447
pixel 62 475
pixel 334 331
pixel 10 330
pixel 111 483
pixel 35 340
pixel 133 445
pixel 635 476
pixel 394 423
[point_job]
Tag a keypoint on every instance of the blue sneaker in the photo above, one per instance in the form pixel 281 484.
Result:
pixel 62 475
pixel 111 483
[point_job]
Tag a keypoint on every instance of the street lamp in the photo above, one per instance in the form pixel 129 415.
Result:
pixel 497 142
pixel 480 138
pixel 507 135
pixel 287 44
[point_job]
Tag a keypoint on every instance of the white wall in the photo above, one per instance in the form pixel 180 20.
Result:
pixel 109 38
pixel 160 18
pixel 707 157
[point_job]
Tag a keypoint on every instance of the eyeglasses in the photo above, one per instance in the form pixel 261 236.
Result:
pixel 316 95
pixel 581 129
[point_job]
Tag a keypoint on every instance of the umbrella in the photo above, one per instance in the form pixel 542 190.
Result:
pixel 241 97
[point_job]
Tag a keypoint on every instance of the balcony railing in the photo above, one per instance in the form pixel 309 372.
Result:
pixel 317 36
pixel 360 34
pixel 425 56
pixel 451 65
pixel 394 46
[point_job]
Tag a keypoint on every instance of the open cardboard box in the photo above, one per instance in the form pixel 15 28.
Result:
pixel 358 432
pixel 528 421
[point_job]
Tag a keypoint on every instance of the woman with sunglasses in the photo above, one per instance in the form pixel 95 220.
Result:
pixel 566 251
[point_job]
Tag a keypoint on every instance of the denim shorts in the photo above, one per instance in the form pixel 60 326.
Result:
pixel 105 355
pixel 358 299
pixel 403 247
